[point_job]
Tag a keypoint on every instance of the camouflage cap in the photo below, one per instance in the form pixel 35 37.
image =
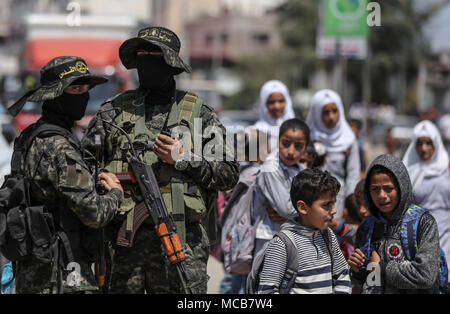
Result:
pixel 56 75
pixel 162 37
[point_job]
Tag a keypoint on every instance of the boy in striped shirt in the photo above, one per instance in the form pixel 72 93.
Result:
pixel 322 267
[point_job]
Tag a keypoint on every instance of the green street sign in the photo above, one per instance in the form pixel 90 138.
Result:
pixel 345 18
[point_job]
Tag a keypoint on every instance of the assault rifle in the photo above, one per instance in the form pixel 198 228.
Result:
pixel 165 228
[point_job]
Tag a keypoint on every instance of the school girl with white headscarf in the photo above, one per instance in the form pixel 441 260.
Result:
pixel 427 162
pixel 326 119
pixel 275 107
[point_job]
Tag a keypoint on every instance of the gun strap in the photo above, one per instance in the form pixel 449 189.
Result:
pixel 130 220
pixel 135 217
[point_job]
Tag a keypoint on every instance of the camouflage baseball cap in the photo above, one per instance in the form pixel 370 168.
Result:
pixel 56 75
pixel 162 37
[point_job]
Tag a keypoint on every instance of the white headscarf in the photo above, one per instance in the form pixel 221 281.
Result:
pixel 341 136
pixel 438 163
pixel 265 119
pixel 266 123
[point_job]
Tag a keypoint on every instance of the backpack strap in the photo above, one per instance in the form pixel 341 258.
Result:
pixel 326 235
pixel 40 129
pixel 366 229
pixel 292 260
pixel 408 230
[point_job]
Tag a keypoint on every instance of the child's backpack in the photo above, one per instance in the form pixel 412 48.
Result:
pixel 408 235
pixel 292 262
pixel 238 230
pixel 291 270
pixel 8 281
pixel 410 223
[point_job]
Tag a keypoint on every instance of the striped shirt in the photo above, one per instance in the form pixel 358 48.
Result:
pixel 314 273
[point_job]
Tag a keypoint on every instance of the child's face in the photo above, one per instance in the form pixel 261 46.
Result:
pixel 424 148
pixel 292 146
pixel 307 159
pixel 275 105
pixel 363 212
pixel 330 115
pixel 320 214
pixel 384 193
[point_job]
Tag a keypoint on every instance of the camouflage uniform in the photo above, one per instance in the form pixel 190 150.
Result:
pixel 63 181
pixel 144 267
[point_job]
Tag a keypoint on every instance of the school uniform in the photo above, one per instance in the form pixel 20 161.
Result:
pixel 272 191
pixel 431 180
pixel 342 159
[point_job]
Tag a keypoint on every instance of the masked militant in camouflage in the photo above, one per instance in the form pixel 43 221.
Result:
pixel 61 187
pixel 188 184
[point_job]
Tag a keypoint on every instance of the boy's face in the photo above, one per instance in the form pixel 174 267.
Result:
pixel 384 193
pixel 292 146
pixel 320 213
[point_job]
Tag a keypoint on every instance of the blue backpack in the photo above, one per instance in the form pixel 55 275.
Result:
pixel 408 235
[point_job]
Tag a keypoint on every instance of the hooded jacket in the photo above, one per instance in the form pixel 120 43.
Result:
pixel 399 275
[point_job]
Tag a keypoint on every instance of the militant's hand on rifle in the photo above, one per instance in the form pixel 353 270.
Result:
pixel 110 181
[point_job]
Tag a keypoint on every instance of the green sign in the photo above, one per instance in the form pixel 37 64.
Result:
pixel 346 18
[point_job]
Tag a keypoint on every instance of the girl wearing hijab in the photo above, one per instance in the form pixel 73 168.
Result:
pixel 427 162
pixel 271 203
pixel 275 107
pixel 328 125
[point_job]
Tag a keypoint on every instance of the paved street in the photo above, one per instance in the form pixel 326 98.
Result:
pixel 216 273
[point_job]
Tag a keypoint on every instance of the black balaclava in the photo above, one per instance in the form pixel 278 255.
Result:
pixel 65 109
pixel 156 76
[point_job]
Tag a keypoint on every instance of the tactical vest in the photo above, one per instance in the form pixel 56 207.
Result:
pixel 184 200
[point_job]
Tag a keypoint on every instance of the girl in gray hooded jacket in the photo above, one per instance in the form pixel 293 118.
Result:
pixel 388 195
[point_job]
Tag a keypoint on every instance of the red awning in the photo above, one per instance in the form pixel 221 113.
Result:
pixel 95 51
